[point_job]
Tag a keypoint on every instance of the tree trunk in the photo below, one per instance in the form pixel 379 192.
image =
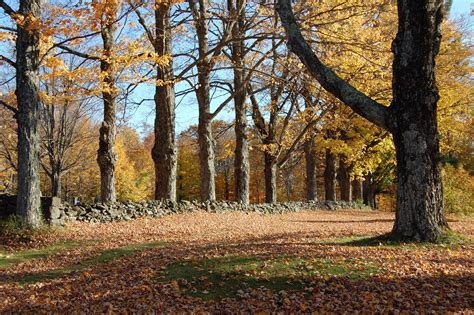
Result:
pixel 420 209
pixel 206 141
pixel 107 157
pixel 28 117
pixel 310 180
pixel 345 180
pixel 270 178
pixel 164 151
pixel 369 188
pixel 357 189
pixel 241 162
pixel 411 118
pixel 227 185
pixel 56 183
pixel 206 151
pixel 330 176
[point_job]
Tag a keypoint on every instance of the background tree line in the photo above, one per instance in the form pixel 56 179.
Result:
pixel 74 74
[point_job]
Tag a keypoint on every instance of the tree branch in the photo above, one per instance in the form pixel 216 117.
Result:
pixel 13 109
pixel 358 101
pixel 78 53
pixel 8 60
pixel 8 10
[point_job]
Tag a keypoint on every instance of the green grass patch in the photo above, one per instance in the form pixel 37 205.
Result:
pixel 8 260
pixel 119 252
pixel 452 238
pixel 224 276
pixel 448 239
pixel 103 257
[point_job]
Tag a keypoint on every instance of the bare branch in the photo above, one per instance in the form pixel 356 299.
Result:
pixel 8 10
pixel 8 60
pixel 6 105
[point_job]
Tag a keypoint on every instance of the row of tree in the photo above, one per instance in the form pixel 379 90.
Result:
pixel 71 58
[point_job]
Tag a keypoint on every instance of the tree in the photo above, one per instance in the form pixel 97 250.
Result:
pixel 65 113
pixel 164 152
pixel 200 14
pixel 330 176
pixel 241 161
pixel 27 63
pixel 134 166
pixel 106 155
pixel 411 117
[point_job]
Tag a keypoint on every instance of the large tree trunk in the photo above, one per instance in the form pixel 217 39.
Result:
pixel 164 151
pixel 330 176
pixel 28 117
pixel 241 161
pixel 420 211
pixel 107 157
pixel 206 141
pixel 270 178
pixel 411 118
pixel 311 162
pixel 345 179
pixel 206 150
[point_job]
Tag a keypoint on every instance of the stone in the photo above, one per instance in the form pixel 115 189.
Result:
pixel 54 213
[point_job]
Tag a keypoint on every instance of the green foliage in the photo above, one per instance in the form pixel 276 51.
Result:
pixel 224 276
pixel 458 188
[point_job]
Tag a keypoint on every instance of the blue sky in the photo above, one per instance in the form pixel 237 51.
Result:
pixel 462 7
pixel 187 112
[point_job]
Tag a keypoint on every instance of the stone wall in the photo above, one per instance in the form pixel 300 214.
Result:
pixel 51 207
pixel 57 213
pixel 120 211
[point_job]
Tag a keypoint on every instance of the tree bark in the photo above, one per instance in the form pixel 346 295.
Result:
pixel 411 117
pixel 330 176
pixel 106 155
pixel 357 189
pixel 28 116
pixel 311 162
pixel 345 179
pixel 206 152
pixel 164 152
pixel 420 209
pixel 241 161
pixel 369 188
pixel 56 183
pixel 206 140
pixel 270 178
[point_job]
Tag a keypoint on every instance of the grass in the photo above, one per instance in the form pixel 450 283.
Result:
pixel 8 260
pixel 103 257
pixel 224 276
pixel 448 239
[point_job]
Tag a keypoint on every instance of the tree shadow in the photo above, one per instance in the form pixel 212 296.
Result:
pixel 123 284
pixel 334 294
pixel 344 221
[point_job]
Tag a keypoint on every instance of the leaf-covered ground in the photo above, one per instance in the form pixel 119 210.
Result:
pixel 225 263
